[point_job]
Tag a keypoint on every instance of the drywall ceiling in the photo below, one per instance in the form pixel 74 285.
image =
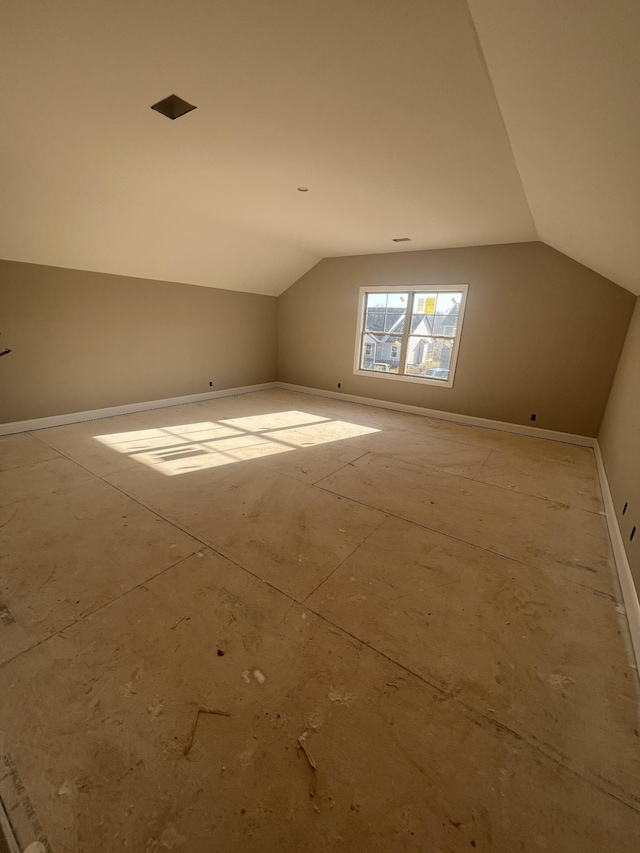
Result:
pixel 567 78
pixel 385 111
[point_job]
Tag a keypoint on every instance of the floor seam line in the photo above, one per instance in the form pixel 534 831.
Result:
pixel 342 562
pixel 473 710
pixel 341 468
pixel 104 604
pixel 346 464
pixel 94 610
pixel 441 532
pixel 132 497
pixel 203 542
pixel 444 693
pixel 159 515
pixel 474 479
pixel 15 657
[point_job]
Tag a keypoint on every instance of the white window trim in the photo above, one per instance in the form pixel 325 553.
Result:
pixel 411 288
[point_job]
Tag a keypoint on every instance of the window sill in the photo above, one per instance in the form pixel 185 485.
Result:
pixel 417 380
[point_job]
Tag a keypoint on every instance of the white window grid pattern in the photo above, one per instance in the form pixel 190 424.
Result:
pixel 413 305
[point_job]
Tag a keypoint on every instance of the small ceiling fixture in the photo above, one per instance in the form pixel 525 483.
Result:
pixel 303 189
pixel 173 107
pixel 401 239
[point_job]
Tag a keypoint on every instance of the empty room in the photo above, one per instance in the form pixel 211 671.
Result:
pixel 320 426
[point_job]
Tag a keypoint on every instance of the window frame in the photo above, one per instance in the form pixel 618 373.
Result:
pixel 411 289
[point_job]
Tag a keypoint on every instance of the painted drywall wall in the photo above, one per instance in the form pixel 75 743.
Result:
pixel 542 334
pixel 619 441
pixel 84 340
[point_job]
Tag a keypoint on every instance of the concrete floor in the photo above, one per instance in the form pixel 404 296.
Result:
pixel 430 610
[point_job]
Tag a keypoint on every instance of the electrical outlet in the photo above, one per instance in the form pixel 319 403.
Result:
pixel 211 385
pixel 339 384
pixel 533 417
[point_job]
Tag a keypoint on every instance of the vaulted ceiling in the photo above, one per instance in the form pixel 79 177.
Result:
pixel 450 123
pixel 566 74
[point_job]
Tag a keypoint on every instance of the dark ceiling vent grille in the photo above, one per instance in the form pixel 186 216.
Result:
pixel 173 107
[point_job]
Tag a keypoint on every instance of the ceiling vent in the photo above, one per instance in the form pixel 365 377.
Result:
pixel 173 107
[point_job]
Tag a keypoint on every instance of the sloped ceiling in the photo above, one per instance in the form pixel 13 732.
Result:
pixel 567 78
pixel 385 111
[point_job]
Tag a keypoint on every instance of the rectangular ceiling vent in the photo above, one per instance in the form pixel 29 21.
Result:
pixel 173 107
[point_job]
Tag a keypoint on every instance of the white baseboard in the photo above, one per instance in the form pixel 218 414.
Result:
pixel 470 420
pixel 127 409
pixel 130 408
pixel 627 585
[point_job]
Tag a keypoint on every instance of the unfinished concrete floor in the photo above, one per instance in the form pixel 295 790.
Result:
pixel 430 609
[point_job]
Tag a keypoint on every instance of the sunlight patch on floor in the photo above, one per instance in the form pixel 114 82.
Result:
pixel 192 447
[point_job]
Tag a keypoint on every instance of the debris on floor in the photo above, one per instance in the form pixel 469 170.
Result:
pixel 302 743
pixel 192 734
pixel 7 838
pixel 340 697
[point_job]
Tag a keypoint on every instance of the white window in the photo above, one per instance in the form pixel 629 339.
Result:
pixel 413 331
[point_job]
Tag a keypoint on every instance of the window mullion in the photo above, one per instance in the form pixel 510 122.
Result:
pixel 363 343
pixel 405 335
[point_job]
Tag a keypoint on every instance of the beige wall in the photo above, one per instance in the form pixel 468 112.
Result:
pixel 541 333
pixel 85 340
pixel 619 441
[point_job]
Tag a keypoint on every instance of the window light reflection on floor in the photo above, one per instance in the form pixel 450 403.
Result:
pixel 192 447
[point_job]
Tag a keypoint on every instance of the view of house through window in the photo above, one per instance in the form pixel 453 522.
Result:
pixel 410 333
